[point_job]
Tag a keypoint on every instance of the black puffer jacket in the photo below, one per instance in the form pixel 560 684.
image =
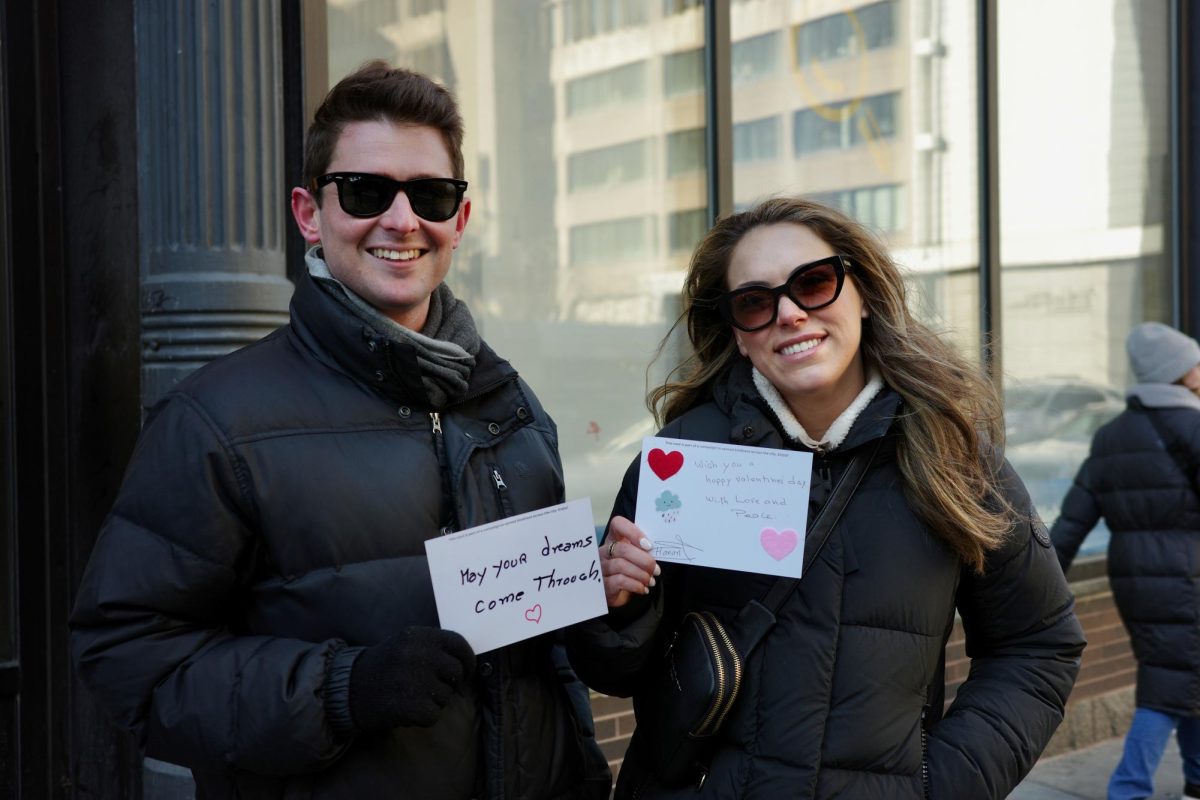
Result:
pixel 843 698
pixel 1153 513
pixel 271 524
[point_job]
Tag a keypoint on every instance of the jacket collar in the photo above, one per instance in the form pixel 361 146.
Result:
pixel 368 355
pixel 753 422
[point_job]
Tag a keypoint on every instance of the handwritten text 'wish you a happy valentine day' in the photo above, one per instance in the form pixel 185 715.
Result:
pixel 723 479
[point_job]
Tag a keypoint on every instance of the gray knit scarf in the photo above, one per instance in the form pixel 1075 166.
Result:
pixel 1164 395
pixel 446 347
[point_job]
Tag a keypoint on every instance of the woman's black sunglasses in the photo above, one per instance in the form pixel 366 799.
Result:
pixel 362 194
pixel 810 286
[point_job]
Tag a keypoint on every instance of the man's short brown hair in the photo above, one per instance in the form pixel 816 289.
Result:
pixel 379 91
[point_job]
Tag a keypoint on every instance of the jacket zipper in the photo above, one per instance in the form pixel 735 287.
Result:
pixel 439 450
pixel 501 490
pixel 821 466
pixel 924 754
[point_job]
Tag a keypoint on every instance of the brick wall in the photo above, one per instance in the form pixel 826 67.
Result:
pixel 1099 707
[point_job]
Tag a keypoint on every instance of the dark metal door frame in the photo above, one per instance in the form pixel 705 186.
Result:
pixel 70 356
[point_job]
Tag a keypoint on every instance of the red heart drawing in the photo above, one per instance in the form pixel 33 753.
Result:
pixel 664 465
pixel 534 614
pixel 778 544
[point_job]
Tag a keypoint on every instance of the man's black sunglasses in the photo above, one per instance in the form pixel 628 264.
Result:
pixel 810 286
pixel 362 194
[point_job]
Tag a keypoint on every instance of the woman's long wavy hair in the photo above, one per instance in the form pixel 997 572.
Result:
pixel 951 425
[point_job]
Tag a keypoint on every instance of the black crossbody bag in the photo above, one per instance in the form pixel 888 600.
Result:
pixel 700 674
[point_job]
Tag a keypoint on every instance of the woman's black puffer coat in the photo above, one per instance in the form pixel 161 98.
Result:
pixel 844 696
pixel 272 523
pixel 1153 513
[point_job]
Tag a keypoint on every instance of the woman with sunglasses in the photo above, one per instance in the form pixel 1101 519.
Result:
pixel 802 339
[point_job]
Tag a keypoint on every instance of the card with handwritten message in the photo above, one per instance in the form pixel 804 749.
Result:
pixel 721 505
pixel 513 579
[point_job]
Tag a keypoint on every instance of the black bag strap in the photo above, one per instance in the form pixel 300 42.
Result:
pixel 1181 459
pixel 828 516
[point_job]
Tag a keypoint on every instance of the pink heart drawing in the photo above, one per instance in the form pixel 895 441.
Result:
pixel 535 614
pixel 664 465
pixel 778 544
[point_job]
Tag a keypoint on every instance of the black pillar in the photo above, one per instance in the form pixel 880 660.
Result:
pixel 212 190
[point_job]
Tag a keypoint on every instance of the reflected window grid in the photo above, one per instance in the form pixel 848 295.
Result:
pixel 635 147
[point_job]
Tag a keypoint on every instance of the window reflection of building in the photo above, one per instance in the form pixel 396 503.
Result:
pixel 756 140
pixel 628 238
pixel 683 72
pixel 632 147
pixel 755 58
pixel 612 87
pixel 584 19
pixel 685 229
pixel 1108 144
pixel 848 33
pixel 846 124
pixel 589 172
pixel 607 166
pixel 1084 238
pixel 820 84
pixel 685 151
pixel 876 206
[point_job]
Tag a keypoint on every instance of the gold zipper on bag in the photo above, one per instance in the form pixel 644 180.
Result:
pixel 736 664
pixel 719 662
pixel 727 684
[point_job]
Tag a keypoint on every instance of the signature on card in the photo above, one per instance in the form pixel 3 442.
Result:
pixel 676 548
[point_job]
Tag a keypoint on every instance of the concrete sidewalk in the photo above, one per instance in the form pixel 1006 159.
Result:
pixel 1084 774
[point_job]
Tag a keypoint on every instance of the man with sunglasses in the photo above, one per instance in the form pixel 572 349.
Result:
pixel 258 606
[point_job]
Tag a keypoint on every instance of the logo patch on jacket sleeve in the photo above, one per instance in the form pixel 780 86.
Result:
pixel 1040 533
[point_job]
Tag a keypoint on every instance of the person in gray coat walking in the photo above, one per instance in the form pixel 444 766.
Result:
pixel 1141 476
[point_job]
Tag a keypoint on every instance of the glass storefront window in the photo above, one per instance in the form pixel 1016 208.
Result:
pixel 756 58
pixel 685 152
pixel 607 166
pixel 612 87
pixel 683 72
pixel 873 111
pixel 756 140
pixel 585 151
pixel 848 33
pixel 1084 240
pixel 585 19
pixel 589 182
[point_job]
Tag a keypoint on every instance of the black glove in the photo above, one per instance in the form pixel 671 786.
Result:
pixel 408 679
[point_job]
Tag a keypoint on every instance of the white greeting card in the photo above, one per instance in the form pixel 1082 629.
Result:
pixel 516 578
pixel 721 505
